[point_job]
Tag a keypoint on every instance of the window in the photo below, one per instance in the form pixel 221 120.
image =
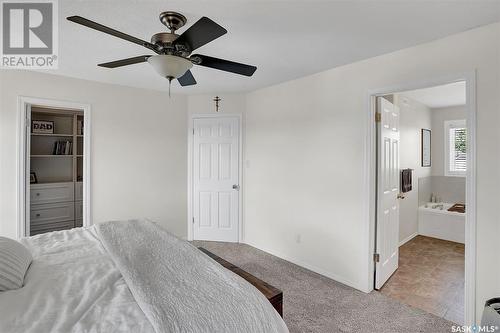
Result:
pixel 455 148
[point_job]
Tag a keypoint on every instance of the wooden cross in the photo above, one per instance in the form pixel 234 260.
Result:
pixel 217 99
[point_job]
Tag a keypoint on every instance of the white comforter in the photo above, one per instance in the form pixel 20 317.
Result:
pixel 74 285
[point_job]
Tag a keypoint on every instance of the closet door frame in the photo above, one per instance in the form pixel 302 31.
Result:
pixel 23 158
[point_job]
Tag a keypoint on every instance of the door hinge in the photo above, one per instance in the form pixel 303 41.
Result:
pixel 376 257
pixel 193 220
pixel 378 117
pixel 193 131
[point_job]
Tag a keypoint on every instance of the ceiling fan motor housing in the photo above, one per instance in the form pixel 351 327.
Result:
pixel 165 41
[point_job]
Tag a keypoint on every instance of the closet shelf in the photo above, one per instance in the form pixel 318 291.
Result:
pixel 51 155
pixel 53 135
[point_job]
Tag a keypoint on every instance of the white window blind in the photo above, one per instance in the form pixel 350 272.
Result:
pixel 456 148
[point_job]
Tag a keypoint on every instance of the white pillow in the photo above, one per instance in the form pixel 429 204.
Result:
pixel 14 262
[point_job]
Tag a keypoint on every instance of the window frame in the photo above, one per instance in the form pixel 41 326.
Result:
pixel 448 125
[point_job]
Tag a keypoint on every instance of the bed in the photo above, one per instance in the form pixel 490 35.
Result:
pixel 130 276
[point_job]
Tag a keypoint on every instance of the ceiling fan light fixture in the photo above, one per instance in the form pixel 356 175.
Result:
pixel 170 66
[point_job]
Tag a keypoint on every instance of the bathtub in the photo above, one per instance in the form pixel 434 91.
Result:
pixel 437 223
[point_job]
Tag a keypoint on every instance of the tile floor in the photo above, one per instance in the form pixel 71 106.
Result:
pixel 430 277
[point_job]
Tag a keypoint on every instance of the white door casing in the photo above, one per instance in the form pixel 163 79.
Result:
pixel 216 178
pixel 387 226
pixel 27 172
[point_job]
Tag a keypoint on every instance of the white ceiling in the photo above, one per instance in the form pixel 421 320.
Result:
pixel 452 94
pixel 284 39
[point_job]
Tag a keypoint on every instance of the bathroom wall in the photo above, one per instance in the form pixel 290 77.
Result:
pixel 439 116
pixel 413 117
pixel 449 189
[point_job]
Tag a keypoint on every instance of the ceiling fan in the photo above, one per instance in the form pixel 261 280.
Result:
pixel 173 59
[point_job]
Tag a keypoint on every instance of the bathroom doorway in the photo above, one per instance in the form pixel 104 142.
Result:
pixel 424 156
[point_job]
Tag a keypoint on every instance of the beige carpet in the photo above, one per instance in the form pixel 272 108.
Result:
pixel 313 303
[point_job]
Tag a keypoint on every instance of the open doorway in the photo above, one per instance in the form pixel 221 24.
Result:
pixel 422 156
pixel 54 160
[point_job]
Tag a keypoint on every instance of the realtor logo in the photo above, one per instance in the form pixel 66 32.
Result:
pixel 29 34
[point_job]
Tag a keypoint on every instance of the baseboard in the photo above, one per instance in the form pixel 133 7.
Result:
pixel 409 238
pixel 302 264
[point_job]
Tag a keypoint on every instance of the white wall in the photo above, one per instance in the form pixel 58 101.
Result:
pixel 439 116
pixel 414 116
pixel 138 148
pixel 305 146
pixel 230 103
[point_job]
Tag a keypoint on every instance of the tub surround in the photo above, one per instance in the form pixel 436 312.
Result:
pixel 449 189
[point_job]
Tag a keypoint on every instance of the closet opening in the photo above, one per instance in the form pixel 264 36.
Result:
pixel 54 175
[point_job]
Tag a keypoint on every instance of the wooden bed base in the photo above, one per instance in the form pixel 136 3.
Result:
pixel 274 295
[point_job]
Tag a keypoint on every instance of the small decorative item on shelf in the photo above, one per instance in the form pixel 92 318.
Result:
pixel 42 127
pixel 79 127
pixel 33 179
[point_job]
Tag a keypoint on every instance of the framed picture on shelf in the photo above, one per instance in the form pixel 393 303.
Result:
pixel 426 147
pixel 42 127
pixel 33 179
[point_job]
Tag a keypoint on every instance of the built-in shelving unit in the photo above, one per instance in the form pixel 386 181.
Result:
pixel 56 198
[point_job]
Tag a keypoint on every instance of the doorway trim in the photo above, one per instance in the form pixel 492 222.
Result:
pixel 22 154
pixel 370 178
pixel 190 181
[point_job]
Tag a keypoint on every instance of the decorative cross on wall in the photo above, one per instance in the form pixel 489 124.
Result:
pixel 217 99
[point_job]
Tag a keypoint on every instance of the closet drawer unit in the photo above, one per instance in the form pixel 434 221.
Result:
pixel 79 191
pixel 48 227
pixel 41 215
pixel 78 210
pixel 51 193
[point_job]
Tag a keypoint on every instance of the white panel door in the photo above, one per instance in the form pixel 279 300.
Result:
pixel 215 178
pixel 387 243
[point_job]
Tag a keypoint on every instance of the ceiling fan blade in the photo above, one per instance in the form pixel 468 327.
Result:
pixel 224 65
pixel 202 32
pixel 113 32
pixel 125 62
pixel 187 79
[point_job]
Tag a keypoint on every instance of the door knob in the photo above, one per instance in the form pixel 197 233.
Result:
pixel 236 187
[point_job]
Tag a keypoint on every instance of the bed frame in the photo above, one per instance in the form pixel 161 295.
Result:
pixel 274 295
